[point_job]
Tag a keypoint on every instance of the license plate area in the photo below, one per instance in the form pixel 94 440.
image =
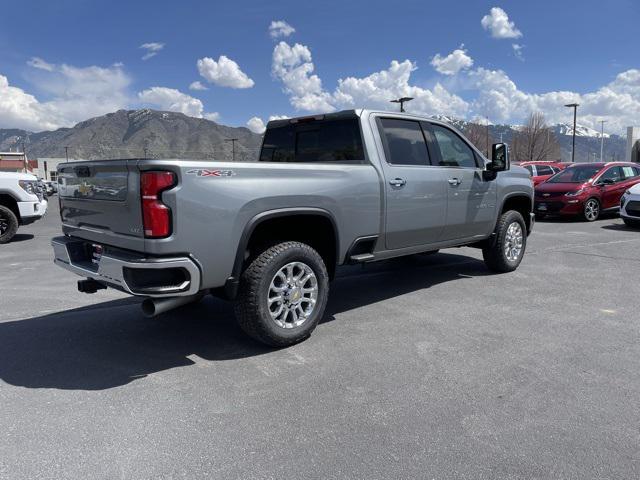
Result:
pixel 542 207
pixel 95 253
pixel 85 254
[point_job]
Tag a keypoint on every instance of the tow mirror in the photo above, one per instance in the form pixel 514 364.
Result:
pixel 499 158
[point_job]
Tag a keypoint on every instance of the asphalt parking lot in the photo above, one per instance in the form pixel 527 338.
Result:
pixel 424 367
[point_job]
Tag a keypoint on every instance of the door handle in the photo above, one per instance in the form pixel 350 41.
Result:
pixel 454 181
pixel 398 182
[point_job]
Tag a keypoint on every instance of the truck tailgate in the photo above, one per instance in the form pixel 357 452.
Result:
pixel 100 201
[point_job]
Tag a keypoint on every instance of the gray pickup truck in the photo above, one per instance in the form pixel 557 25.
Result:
pixel 350 187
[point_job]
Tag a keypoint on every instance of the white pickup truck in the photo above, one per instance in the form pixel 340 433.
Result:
pixel 20 203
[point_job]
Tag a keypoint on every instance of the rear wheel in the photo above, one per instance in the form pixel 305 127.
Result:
pixel 283 294
pixel 591 210
pixel 506 252
pixel 8 224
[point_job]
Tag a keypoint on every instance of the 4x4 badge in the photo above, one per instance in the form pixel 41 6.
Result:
pixel 203 172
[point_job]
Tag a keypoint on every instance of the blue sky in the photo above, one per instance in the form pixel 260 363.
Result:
pixel 62 62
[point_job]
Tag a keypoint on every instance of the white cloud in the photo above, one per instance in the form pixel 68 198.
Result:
pixel 256 125
pixel 172 100
pixel 213 116
pixel 498 23
pixel 618 102
pixel 18 109
pixel 37 62
pixel 76 94
pixel 278 117
pixel 294 67
pixel 517 51
pixel 489 92
pixel 152 48
pixel 197 85
pixel 452 63
pixel 225 72
pixel 280 28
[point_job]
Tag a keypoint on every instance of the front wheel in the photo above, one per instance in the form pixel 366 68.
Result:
pixel 8 224
pixel 507 250
pixel 591 210
pixel 283 294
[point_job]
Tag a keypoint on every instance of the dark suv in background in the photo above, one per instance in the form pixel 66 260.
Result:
pixel 586 189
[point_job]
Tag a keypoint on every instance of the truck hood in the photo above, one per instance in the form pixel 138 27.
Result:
pixel 635 190
pixel 17 176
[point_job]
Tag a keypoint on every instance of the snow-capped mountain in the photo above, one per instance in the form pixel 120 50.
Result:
pixel 581 130
pixel 127 133
pixel 587 139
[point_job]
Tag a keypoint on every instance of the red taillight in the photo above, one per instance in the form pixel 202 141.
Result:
pixel 156 216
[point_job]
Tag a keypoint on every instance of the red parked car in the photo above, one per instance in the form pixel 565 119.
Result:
pixel 586 189
pixel 541 171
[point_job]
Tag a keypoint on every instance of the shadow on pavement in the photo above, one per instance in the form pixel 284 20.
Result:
pixel 620 227
pixel 21 237
pixel 111 344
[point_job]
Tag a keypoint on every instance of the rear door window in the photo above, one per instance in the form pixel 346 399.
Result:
pixel 544 170
pixel 331 140
pixel 405 143
pixel 629 172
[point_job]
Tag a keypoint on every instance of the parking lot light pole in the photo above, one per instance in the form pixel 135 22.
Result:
pixel 233 147
pixel 602 122
pixel 573 144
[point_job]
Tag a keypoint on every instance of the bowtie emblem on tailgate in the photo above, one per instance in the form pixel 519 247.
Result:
pixel 203 172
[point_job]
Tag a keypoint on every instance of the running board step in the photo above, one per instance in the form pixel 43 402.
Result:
pixel 361 258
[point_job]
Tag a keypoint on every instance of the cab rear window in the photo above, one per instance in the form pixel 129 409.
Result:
pixel 337 140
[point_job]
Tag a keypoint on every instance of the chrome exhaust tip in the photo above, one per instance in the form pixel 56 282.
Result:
pixel 152 307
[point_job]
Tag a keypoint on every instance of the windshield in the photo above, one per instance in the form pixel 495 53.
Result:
pixel 576 174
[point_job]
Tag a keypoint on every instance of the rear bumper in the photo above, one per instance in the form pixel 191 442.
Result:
pixel 120 270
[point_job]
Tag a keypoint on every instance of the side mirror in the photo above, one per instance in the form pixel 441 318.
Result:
pixel 499 158
pixel 606 181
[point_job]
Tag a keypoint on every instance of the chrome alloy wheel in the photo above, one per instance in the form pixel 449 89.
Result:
pixel 513 241
pixel 591 209
pixel 293 293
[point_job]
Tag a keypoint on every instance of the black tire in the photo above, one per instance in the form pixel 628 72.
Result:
pixel 586 215
pixel 251 306
pixel 494 255
pixel 8 224
pixel 631 223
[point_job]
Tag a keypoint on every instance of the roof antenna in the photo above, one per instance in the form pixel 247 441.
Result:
pixel 402 101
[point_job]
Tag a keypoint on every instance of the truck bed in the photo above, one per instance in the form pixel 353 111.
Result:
pixel 212 204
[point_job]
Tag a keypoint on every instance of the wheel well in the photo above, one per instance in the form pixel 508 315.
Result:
pixel 10 202
pixel 521 204
pixel 317 231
